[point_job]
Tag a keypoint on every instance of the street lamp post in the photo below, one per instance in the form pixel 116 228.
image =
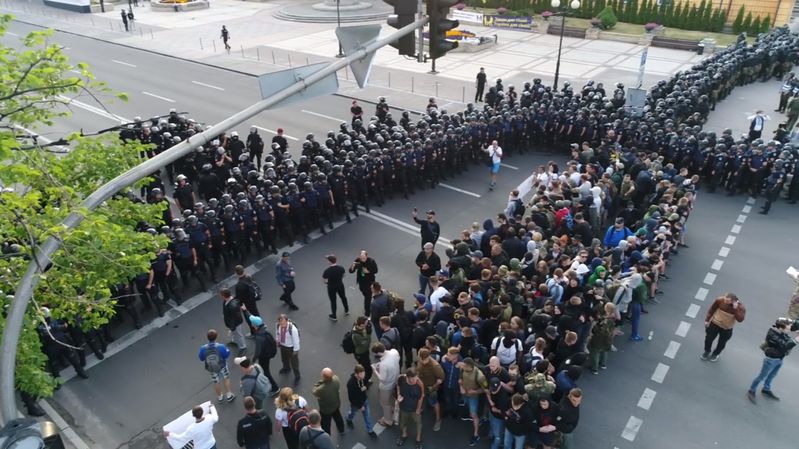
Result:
pixel 338 21
pixel 575 4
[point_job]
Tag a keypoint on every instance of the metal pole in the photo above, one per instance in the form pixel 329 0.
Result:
pixel 273 58
pixel 258 52
pixel 389 79
pixel 41 257
pixel 412 85
pixel 338 24
pixel 463 100
pixel 289 55
pixel 433 68
pixel 560 47
pixel 242 50
pixel 420 37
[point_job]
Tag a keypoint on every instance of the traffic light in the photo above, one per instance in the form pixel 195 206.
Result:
pixel 404 14
pixel 437 11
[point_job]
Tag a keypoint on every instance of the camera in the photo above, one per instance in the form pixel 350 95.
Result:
pixel 794 324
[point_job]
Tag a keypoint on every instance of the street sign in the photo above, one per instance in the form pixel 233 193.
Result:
pixel 635 100
pixel 274 82
pixel 353 39
pixel 642 67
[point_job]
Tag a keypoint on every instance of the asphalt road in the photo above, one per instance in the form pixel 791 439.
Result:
pixel 155 376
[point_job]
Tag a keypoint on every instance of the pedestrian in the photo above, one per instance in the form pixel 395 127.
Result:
pixel 387 370
pixel 284 273
pixel 793 112
pixel 361 341
pixel 254 382
pixel 431 374
pixel 357 387
pixel 778 344
pixel 313 436
pixel 225 37
pixel 365 269
pixel 289 405
pixel 722 315
pixel 234 319
pixel 785 92
pixel 201 431
pixel 756 124
pixel 130 18
pixel 288 338
pixel 255 428
pixel 601 341
pixel 214 356
pixel 357 111
pixel 430 229
pixel 327 392
pixel 248 292
pixel 265 349
pixel 410 396
pixel 545 413
pixel 499 401
pixel 494 152
pixel 481 84
pixel 125 19
pixel 473 385
pixel 517 422
pixel 429 264
pixel 333 277
pixel 380 307
pixel 568 417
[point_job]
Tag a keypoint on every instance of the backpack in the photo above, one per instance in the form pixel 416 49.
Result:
pixel 213 359
pixel 298 419
pixel 261 387
pixel 519 209
pixel 269 349
pixel 310 443
pixel 391 339
pixel 480 354
pixel 347 344
pixel 255 289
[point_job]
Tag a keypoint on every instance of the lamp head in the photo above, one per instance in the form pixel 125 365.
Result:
pixel 555 3
pixel 575 4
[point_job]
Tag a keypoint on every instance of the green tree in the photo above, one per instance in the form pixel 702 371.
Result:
pixel 104 250
pixel 738 23
pixel 700 13
pixel 672 20
pixel 608 18
pixel 765 25
pixel 747 23
pixel 754 28
pixel 707 17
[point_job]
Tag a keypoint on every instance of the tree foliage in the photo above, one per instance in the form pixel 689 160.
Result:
pixel 608 18
pixel 42 188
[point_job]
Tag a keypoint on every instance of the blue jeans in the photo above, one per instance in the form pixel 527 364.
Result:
pixel 424 284
pixel 513 441
pixel 497 430
pixel 768 372
pixel 366 417
pixel 635 318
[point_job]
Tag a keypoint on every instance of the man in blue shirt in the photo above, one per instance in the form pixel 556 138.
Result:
pixel 284 273
pixel 214 356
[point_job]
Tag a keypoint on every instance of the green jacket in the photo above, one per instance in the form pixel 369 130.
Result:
pixel 362 339
pixel 602 336
pixel 327 394
pixel 641 293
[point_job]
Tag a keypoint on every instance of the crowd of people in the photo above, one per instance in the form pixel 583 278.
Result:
pixel 500 333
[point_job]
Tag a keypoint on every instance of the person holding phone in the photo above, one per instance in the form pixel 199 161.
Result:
pixel 495 153
pixel 721 317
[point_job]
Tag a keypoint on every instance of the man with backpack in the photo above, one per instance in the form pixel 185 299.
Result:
pixel 248 292
pixel 265 349
pixel 215 356
pixel 234 319
pixel 390 337
pixel 312 436
pixel 357 342
pixel 253 381
pixel 255 428
pixel 288 338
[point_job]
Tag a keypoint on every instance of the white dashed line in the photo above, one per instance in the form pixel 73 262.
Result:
pixel 632 428
pixel 693 309
pixel 512 167
pixel 158 96
pixel 751 200
pixel 710 278
pixel 210 86
pixel 746 209
pixel 324 116
pixel 465 192
pixel 358 446
pixel 12 34
pixel 272 131
pixel 682 329
pixel 741 218
pixel 127 64
pixel 736 229
pixel 717 264
pixel 701 294
pixel 378 428
pixel 730 240
pixel 660 373
pixel 671 350
pixel 647 397
pixel 724 251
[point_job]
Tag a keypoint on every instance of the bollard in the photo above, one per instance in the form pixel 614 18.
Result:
pixel 346 74
pixel 201 44
pixel 258 53
pixel 273 58
pixel 411 84
pixel 389 80
pixel 289 55
pixel 307 61
pixel 214 42
pixel 242 51
pixel 151 34
pixel 436 89
pixel 463 100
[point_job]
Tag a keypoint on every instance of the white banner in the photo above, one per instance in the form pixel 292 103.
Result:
pixel 466 16
pixel 180 424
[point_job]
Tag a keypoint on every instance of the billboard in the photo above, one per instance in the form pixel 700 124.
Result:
pixel 521 23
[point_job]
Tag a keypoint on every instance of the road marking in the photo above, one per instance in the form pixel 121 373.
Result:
pixel 324 116
pixel 736 229
pixel 12 34
pixel 724 251
pixel 400 226
pixel 660 373
pixel 123 63
pixel 730 240
pixel 693 309
pixel 710 278
pixel 741 218
pixel 717 264
pixel 358 446
pixel 682 329
pixel 751 200
pixel 158 96
pixel 701 294
pixel 378 428
pixel 465 192
pixel 94 109
pixel 647 397
pixel 632 428
pixel 746 209
pixel 412 227
pixel 271 131
pixel 671 350
pixel 509 166
pixel 208 85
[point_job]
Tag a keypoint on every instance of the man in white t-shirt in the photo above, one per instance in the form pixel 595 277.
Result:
pixel 201 431
pixel 495 153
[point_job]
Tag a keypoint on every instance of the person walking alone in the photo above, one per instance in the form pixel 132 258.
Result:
pixel 333 276
pixel 225 35
pixel 234 320
pixel 777 345
pixel 365 269
pixel 125 19
pixel 719 321
pixel 481 84
pixel 430 229
pixel 495 153
pixel 284 273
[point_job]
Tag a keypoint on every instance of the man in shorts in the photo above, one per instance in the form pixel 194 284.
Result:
pixel 214 356
pixel 495 154
pixel 410 395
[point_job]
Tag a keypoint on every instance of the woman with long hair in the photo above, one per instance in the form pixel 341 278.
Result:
pixel 286 404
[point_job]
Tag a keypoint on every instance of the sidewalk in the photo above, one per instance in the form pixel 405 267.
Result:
pixel 262 43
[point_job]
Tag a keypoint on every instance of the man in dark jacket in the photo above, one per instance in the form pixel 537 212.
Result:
pixel 568 417
pixel 265 348
pixel 234 320
pixel 246 293
pixel 254 428
pixel 380 307
pixel 357 388
pixel 430 229
pixel 365 269
pixel 777 345
pixel 429 264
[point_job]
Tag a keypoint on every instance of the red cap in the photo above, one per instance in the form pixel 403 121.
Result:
pixel 280 130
